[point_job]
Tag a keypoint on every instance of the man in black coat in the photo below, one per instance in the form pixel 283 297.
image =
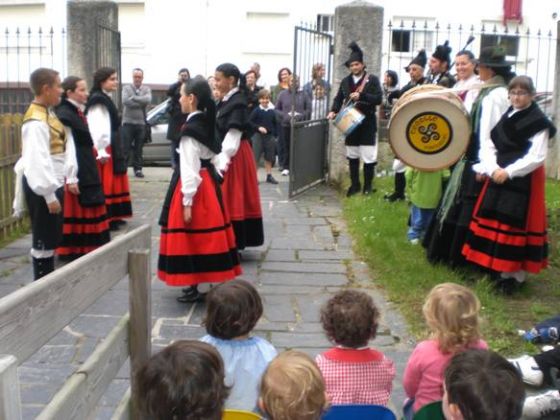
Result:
pixel 439 66
pixel 176 117
pixel 365 91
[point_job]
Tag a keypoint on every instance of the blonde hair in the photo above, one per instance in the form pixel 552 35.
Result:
pixel 452 313
pixel 292 388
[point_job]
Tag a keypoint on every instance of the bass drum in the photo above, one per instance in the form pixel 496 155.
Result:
pixel 429 128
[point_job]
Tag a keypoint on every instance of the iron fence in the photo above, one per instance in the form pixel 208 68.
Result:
pixel 21 51
pixel 532 50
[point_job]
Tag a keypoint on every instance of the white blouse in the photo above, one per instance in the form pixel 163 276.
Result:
pixel 535 156
pixel 45 173
pixel 470 85
pixel 99 122
pixel 190 152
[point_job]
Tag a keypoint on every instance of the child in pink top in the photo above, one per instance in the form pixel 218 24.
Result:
pixel 452 313
pixel 353 372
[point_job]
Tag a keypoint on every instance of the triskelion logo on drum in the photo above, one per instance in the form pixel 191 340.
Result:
pixel 429 133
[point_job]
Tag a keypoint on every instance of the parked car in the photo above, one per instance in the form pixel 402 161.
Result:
pixel 159 150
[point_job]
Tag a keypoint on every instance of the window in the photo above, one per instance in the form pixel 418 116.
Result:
pixel 400 41
pixel 325 23
pixel 509 42
pixel 408 41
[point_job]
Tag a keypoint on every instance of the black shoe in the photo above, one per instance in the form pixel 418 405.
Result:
pixel 354 189
pixel 196 296
pixel 507 286
pixel 138 174
pixel 189 290
pixel 393 197
pixel 270 179
pixel 368 191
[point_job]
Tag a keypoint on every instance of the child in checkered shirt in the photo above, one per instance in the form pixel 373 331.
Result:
pixel 354 373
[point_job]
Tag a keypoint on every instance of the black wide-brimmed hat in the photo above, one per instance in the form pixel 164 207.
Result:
pixel 443 52
pixel 420 60
pixel 356 54
pixel 493 56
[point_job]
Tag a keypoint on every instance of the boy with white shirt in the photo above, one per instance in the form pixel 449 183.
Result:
pixel 46 158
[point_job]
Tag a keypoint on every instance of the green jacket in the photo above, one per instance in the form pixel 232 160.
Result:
pixel 425 188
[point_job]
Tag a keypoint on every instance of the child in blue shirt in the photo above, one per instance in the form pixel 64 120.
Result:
pixel 232 311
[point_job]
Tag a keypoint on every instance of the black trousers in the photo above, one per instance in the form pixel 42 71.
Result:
pixel 546 361
pixel 46 228
pixel 284 147
pixel 133 141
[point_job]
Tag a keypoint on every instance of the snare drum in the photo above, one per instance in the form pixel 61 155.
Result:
pixel 348 119
pixel 429 128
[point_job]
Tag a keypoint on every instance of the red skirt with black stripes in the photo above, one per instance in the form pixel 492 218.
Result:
pixel 501 247
pixel 203 250
pixel 84 228
pixel 242 198
pixel 116 190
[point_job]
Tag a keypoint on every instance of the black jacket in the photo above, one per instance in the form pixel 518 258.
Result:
pixel 371 96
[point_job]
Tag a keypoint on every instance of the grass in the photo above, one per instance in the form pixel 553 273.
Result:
pixel 379 232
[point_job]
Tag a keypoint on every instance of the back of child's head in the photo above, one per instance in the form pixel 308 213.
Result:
pixel 184 381
pixel 232 309
pixel 350 318
pixel 41 77
pixel 452 313
pixel 292 388
pixel 483 385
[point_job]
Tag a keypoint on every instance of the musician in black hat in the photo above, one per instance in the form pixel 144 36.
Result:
pixel 416 72
pixel 365 91
pixel 439 66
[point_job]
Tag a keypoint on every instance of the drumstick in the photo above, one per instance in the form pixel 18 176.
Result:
pixel 469 41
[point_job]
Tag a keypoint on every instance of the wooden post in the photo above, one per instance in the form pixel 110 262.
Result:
pixel 10 404
pixel 140 318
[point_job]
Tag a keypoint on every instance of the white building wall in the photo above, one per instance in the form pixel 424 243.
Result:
pixel 162 36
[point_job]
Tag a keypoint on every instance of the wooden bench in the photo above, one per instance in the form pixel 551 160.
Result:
pixel 34 314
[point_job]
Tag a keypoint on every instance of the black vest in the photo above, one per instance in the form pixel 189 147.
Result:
pixel 91 190
pixel 232 114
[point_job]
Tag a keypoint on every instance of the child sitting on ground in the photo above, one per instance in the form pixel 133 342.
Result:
pixel 482 385
pixel 452 314
pixel 425 189
pixel 292 388
pixel 353 372
pixel 184 381
pixel 232 311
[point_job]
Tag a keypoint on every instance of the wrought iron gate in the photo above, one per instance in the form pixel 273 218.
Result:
pixel 309 138
pixel 109 53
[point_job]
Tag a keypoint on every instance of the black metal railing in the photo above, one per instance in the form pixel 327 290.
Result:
pixel 22 50
pixel 532 50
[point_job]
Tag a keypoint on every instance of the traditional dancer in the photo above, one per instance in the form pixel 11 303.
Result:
pixel 85 225
pixel 197 242
pixel 47 157
pixel 236 161
pixel 507 233
pixel 446 235
pixel 104 125
pixel 365 91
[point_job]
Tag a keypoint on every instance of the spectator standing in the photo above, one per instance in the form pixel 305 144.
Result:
pixel 136 98
pixel 176 116
pixel 302 112
pixel 252 90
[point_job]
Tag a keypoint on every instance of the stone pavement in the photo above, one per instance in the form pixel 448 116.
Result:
pixel 306 258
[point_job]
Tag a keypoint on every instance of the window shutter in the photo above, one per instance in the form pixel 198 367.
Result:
pixel 512 10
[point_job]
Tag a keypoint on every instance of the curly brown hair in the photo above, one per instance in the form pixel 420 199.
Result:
pixel 350 318
pixel 184 381
pixel 232 309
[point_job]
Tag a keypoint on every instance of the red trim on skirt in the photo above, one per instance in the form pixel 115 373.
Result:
pixel 116 190
pixel 241 187
pixel 202 250
pixel 84 228
pixel 501 234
